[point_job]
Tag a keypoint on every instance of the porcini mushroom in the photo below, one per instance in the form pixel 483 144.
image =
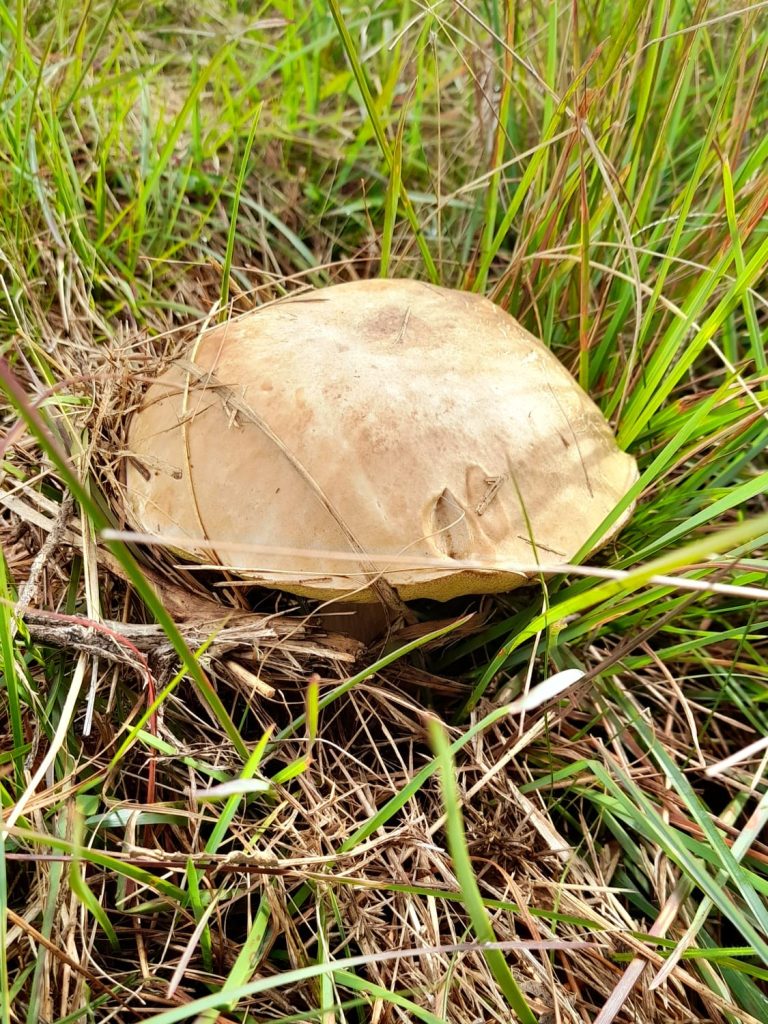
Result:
pixel 371 421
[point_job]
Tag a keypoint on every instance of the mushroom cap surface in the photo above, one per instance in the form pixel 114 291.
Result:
pixel 393 418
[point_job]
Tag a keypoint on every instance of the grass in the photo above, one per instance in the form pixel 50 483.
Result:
pixel 207 851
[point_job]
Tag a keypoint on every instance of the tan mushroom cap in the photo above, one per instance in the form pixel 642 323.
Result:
pixel 387 417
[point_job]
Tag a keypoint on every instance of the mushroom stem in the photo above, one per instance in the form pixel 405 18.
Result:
pixel 365 622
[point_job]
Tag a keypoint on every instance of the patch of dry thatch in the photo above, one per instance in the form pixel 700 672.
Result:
pixel 395 890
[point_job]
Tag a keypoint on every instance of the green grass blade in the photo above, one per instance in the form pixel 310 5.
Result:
pixel 232 233
pixel 462 865
pixel 381 136
pixel 394 188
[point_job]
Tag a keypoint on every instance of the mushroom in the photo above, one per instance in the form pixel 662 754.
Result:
pixel 374 441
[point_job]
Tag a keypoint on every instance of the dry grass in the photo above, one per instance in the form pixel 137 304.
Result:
pixel 557 906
